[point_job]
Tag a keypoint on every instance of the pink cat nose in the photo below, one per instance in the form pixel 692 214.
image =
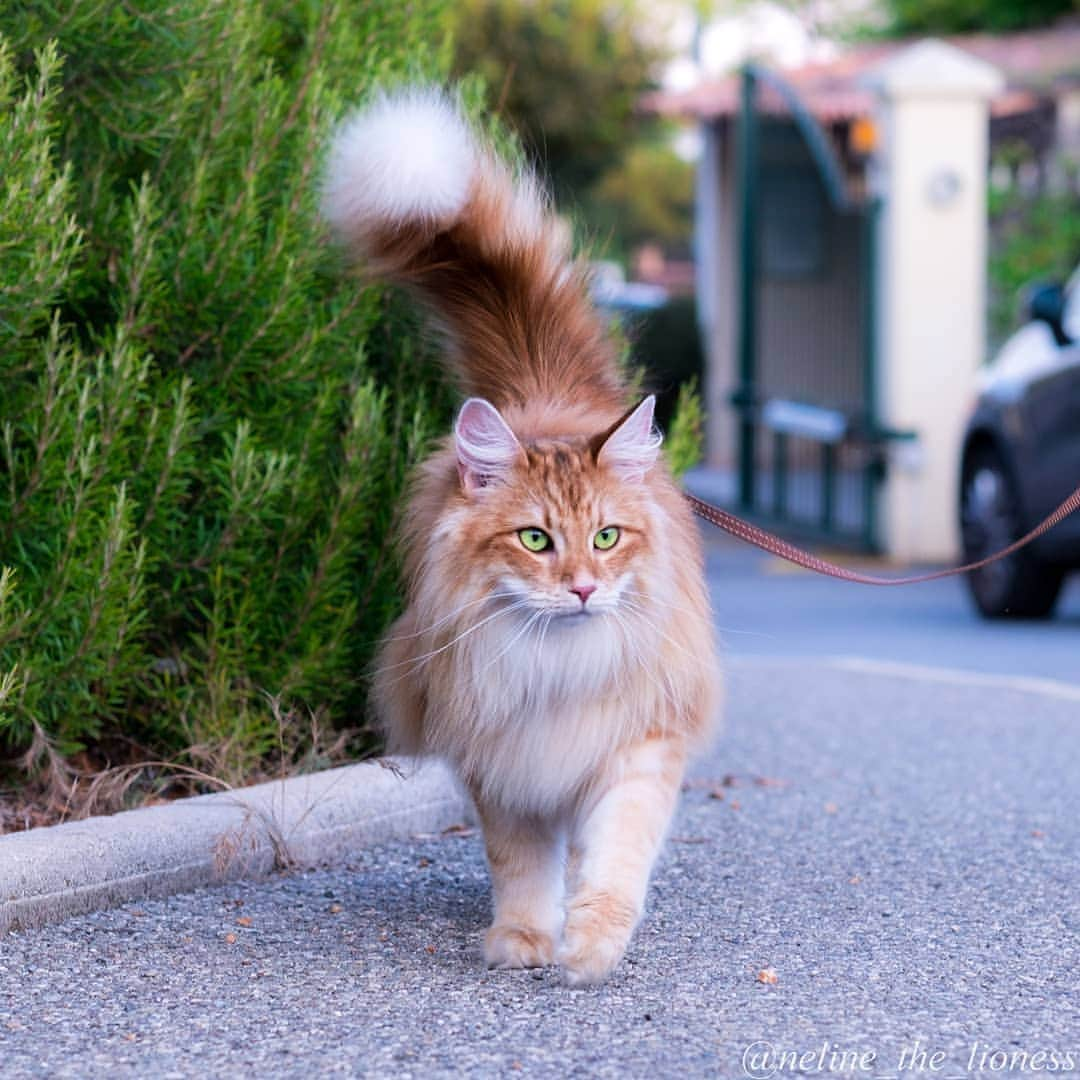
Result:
pixel 584 591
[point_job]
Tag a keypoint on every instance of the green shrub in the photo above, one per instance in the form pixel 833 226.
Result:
pixel 667 342
pixel 686 434
pixel 204 424
pixel 1033 239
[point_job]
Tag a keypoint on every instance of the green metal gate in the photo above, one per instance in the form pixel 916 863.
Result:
pixel 809 446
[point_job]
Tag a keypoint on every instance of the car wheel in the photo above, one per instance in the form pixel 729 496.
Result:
pixel 1018 586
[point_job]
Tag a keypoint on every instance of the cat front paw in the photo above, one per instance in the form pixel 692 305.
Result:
pixel 597 932
pixel 518 947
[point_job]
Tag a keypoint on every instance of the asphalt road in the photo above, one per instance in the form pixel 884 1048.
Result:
pixel 899 846
pixel 767 607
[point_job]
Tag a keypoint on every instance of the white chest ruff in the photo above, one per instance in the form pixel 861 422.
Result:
pixel 543 717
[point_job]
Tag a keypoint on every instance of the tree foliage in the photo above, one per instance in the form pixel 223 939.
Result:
pixel 905 17
pixel 647 197
pixel 567 74
pixel 204 425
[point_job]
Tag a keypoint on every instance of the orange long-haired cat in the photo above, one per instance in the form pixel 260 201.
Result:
pixel 557 648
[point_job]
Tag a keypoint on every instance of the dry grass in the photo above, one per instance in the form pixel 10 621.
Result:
pixel 45 788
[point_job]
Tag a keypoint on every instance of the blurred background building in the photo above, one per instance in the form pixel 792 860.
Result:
pixel 804 409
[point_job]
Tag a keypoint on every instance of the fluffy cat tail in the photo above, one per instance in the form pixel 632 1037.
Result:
pixel 423 201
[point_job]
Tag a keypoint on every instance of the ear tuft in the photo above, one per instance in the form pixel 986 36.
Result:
pixel 631 450
pixel 486 447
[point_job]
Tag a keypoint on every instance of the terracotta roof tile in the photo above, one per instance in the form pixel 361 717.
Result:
pixel 1032 62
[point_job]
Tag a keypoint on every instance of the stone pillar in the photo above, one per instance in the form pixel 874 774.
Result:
pixel 931 276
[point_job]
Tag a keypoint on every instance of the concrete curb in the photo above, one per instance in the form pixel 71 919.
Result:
pixel 47 875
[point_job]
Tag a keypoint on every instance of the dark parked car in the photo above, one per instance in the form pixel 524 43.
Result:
pixel 1021 459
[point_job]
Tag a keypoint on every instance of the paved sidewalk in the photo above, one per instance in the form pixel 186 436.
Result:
pixel 903 853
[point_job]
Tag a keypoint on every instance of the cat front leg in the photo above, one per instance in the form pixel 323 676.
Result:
pixel 615 842
pixel 526 857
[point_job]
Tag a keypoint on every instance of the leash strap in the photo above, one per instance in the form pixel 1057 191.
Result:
pixel 767 541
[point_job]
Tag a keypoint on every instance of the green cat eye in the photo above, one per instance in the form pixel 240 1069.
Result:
pixel 534 539
pixel 606 538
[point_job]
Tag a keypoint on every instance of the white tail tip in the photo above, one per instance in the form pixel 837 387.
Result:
pixel 406 156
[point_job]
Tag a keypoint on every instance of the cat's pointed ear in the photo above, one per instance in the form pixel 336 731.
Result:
pixel 486 447
pixel 631 448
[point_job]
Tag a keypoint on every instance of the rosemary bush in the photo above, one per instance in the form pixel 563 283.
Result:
pixel 204 423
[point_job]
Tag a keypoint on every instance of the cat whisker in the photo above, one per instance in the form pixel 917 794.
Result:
pixel 635 653
pixel 524 629
pixel 535 670
pixel 544 630
pixel 413 662
pixel 644 616
pixel 659 600
pixel 678 607
pixel 453 614
pixel 746 633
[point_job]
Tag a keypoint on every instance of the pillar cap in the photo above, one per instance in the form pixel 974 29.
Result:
pixel 933 68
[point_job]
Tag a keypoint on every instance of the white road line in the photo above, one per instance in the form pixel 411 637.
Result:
pixel 956 677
